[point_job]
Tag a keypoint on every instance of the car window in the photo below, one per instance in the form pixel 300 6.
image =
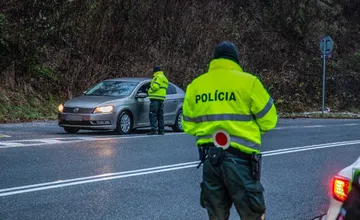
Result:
pixel 171 90
pixel 112 88
pixel 144 88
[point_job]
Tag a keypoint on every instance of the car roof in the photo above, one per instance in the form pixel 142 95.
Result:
pixel 136 79
pixel 130 79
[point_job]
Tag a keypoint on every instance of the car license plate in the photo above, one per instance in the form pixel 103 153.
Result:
pixel 73 118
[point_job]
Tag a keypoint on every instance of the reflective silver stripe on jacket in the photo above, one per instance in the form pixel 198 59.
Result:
pixel 156 96
pixel 220 117
pixel 238 140
pixel 266 109
pixel 231 117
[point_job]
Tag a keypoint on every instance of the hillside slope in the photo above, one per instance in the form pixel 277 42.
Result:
pixel 52 50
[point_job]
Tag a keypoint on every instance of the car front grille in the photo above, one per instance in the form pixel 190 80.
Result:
pixel 75 122
pixel 81 110
pixel 85 123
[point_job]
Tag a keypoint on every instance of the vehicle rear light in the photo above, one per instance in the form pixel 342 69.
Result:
pixel 340 188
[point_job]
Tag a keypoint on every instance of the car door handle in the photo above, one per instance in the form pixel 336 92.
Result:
pixel 175 101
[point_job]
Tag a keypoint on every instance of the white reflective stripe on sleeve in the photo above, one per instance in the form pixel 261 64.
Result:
pixel 156 96
pixel 266 109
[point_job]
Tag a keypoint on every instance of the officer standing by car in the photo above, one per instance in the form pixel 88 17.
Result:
pixel 230 100
pixel 157 96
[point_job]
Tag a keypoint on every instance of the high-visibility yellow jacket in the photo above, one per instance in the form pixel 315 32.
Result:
pixel 228 98
pixel 158 86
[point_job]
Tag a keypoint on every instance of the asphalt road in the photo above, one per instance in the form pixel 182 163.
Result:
pixel 47 174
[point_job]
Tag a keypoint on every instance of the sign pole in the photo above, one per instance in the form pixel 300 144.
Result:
pixel 326 47
pixel 324 72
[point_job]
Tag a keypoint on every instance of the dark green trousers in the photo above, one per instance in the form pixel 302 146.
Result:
pixel 156 115
pixel 231 183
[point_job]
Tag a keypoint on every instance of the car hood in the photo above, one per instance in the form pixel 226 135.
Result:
pixel 91 101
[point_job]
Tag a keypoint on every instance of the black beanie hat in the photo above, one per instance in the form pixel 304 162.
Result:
pixel 156 69
pixel 227 50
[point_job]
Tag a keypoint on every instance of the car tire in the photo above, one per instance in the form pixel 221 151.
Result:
pixel 125 123
pixel 177 127
pixel 70 130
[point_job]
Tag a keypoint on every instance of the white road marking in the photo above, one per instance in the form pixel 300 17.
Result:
pixel 152 170
pixel 315 126
pixel 51 141
pixel 63 140
pixel 293 149
pixel 98 176
pixel 4 136
pixel 310 147
pixel 12 144
pixel 93 180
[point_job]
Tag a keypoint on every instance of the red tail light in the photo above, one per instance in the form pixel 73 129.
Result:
pixel 340 188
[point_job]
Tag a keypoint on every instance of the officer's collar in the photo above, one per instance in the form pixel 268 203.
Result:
pixel 224 64
pixel 158 73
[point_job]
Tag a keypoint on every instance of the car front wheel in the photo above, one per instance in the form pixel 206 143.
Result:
pixel 177 127
pixel 71 130
pixel 124 123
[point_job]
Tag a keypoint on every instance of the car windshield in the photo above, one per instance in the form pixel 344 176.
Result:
pixel 112 88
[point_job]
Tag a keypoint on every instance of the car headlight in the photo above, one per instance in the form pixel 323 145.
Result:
pixel 61 108
pixel 104 109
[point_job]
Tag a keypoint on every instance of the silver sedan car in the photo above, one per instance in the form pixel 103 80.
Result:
pixel 119 104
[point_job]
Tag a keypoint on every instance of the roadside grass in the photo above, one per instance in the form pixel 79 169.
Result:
pixel 19 108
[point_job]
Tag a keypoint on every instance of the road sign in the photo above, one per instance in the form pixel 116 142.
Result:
pixel 326 45
pixel 326 48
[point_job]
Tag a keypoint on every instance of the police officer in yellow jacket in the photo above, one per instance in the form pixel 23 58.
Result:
pixel 233 101
pixel 157 95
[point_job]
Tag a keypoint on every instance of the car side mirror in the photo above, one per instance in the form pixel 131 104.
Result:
pixel 141 95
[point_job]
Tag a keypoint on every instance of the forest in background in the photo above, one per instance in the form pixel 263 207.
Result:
pixel 51 51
